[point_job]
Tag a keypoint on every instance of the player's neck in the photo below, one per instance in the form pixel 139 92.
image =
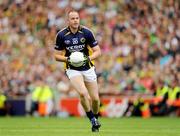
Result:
pixel 73 30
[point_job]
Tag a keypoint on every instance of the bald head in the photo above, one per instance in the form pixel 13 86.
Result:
pixel 70 13
pixel 73 19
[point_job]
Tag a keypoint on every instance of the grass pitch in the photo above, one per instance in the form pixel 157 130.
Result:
pixel 20 126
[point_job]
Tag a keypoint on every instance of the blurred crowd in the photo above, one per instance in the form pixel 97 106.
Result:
pixel 140 42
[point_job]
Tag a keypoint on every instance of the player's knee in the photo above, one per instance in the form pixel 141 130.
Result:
pixel 95 100
pixel 83 95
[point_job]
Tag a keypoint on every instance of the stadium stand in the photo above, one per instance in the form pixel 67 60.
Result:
pixel 140 41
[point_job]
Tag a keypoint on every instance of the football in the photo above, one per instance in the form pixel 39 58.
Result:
pixel 77 59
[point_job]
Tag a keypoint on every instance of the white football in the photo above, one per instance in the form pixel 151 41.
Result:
pixel 77 59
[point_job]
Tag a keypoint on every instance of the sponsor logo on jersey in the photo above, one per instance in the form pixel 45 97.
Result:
pixel 95 42
pixel 67 41
pixel 76 47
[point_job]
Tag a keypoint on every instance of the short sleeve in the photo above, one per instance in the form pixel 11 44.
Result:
pixel 91 39
pixel 59 42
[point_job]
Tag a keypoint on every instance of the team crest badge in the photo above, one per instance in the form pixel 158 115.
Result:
pixel 83 40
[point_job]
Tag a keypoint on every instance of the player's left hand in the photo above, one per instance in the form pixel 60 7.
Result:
pixel 86 59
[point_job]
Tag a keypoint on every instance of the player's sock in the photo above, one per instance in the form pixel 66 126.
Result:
pixel 96 116
pixel 90 115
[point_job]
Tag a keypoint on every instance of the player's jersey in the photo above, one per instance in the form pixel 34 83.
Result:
pixel 83 40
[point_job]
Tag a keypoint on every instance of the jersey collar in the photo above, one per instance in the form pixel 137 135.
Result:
pixel 79 29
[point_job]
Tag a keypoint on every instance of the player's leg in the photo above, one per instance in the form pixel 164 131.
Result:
pixel 93 92
pixel 92 86
pixel 77 82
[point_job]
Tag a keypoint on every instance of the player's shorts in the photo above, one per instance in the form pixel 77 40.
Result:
pixel 89 75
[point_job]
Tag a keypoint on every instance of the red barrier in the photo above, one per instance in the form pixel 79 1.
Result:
pixel 111 106
pixel 70 105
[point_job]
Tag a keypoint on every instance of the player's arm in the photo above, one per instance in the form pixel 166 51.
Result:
pixel 96 52
pixel 59 56
pixel 94 45
pixel 59 52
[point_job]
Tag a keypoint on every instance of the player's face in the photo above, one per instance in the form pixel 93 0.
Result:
pixel 73 20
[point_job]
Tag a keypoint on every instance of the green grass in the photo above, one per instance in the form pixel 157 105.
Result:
pixel 81 127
